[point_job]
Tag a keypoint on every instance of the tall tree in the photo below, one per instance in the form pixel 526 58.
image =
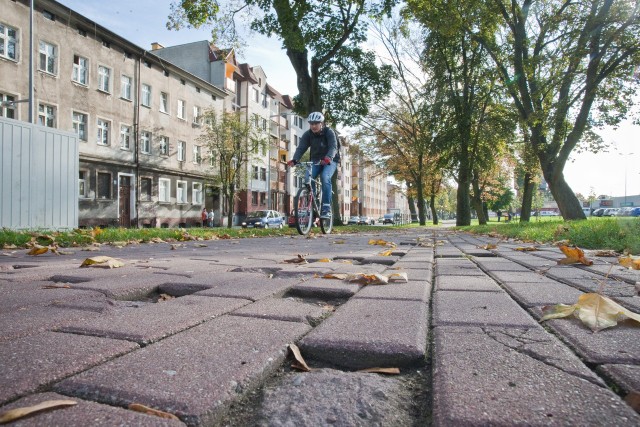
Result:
pixel 567 65
pixel 322 41
pixel 231 143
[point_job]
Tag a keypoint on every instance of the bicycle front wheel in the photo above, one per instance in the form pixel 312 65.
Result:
pixel 326 224
pixel 303 211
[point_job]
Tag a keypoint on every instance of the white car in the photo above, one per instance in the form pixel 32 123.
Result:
pixel 610 212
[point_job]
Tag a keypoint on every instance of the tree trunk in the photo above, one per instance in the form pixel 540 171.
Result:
pixel 564 196
pixel 421 203
pixel 477 202
pixel 434 213
pixel 412 208
pixel 527 198
pixel 463 210
pixel 337 214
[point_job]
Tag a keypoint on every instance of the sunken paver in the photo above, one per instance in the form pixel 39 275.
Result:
pixel 466 283
pixel 324 288
pixel 84 413
pixel 196 374
pixel 36 361
pixel 515 377
pixel 546 292
pixel 249 286
pixel 329 397
pixel 123 287
pixel 366 333
pixel 619 344
pixel 479 309
pixel 412 290
pixel 379 259
pixel 627 377
pixel 286 309
pixel 149 323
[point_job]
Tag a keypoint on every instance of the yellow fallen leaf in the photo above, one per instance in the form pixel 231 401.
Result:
pixel 488 246
pixel 340 276
pixel 324 260
pixel 150 411
pixel 573 255
pixel 388 252
pixel 17 413
pixel 38 250
pixel 526 249
pixel 630 262
pixel 367 279
pixel 102 261
pixel 381 242
pixel 594 310
pixel 389 371
pixel 56 287
pixel 299 363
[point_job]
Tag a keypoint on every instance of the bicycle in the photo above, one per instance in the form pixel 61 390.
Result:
pixel 308 203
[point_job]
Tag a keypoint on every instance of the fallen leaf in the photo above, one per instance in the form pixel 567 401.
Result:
pixel 340 276
pixel 12 246
pixel 17 413
pixel 389 371
pixel 297 260
pixel 150 411
pixel 328 307
pixel 606 254
pixel 526 249
pixel 633 400
pixel 488 246
pixel 367 279
pixel 381 242
pixel 388 252
pixel 398 277
pixel 38 250
pixel 201 245
pixel 165 297
pixel 102 261
pixel 56 287
pixel 324 260
pixel 594 310
pixel 338 242
pixel 299 363
pixel 573 255
pixel 630 262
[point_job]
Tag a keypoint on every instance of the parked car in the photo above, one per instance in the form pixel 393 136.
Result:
pixel 635 211
pixel 587 211
pixel 354 220
pixel 263 219
pixel 624 212
pixel 548 213
pixel 365 220
pixel 389 219
pixel 598 212
pixel 610 212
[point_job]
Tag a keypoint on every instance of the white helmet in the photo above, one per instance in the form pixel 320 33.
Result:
pixel 315 117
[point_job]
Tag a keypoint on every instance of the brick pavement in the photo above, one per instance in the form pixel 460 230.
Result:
pixel 463 331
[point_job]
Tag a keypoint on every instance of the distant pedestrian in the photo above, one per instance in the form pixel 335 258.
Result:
pixel 499 213
pixel 204 217
pixel 509 216
pixel 210 218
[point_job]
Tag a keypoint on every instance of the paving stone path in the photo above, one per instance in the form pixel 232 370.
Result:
pixel 202 331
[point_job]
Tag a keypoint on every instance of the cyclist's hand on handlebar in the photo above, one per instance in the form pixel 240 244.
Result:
pixel 325 161
pixel 291 163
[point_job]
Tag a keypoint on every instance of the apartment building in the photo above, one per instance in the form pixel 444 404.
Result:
pixel 368 187
pixel 136 115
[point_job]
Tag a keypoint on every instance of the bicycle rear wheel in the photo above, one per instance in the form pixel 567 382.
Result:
pixel 303 211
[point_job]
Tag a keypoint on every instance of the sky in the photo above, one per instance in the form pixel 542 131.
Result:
pixel 142 22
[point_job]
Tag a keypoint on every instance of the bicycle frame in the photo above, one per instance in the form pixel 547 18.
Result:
pixel 307 203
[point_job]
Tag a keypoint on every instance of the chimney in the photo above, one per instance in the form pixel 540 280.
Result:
pixel 156 46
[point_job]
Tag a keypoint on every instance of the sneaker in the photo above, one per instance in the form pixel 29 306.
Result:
pixel 326 212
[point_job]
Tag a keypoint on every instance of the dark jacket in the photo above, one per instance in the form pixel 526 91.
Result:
pixel 323 144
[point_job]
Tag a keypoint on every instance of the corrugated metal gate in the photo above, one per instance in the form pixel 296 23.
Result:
pixel 38 177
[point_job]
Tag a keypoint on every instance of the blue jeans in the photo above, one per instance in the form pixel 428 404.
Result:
pixel 325 172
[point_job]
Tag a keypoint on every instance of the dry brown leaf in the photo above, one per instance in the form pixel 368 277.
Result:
pixel 398 277
pixel 338 242
pixel 630 262
pixel 165 297
pixel 17 413
pixel 606 254
pixel 150 411
pixel 328 307
pixel 324 260
pixel 389 371
pixel 388 252
pixel 381 242
pixel 38 250
pixel 224 236
pixel 56 287
pixel 633 400
pixel 368 279
pixel 573 255
pixel 102 261
pixel 526 248
pixel 297 260
pixel 299 363
pixel 488 246
pixel 340 276
pixel 7 246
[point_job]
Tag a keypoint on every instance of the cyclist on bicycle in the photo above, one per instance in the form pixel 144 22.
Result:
pixel 324 154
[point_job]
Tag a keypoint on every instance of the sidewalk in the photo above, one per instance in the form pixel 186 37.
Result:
pixel 464 332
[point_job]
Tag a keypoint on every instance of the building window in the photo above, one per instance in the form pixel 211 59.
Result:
pixel 182 150
pixel 197 154
pixel 181 192
pixel 145 142
pixel 164 102
pixel 82 184
pixel 164 146
pixel 125 137
pixel 182 109
pixel 146 95
pixel 80 125
pixel 256 172
pixel 197 112
pixel 104 185
pixel 8 42
pixel 295 140
pixel 263 174
pixel 145 189
pixel 48 57
pixel 47 115
pixel 104 79
pixel 80 69
pixel 125 87
pixel 264 124
pixel 254 198
pixel 8 111
pixel 103 132
pixel 256 94
pixel 196 191
pixel 164 190
pixel 263 198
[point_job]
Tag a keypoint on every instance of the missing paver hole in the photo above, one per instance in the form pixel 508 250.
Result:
pixel 19 266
